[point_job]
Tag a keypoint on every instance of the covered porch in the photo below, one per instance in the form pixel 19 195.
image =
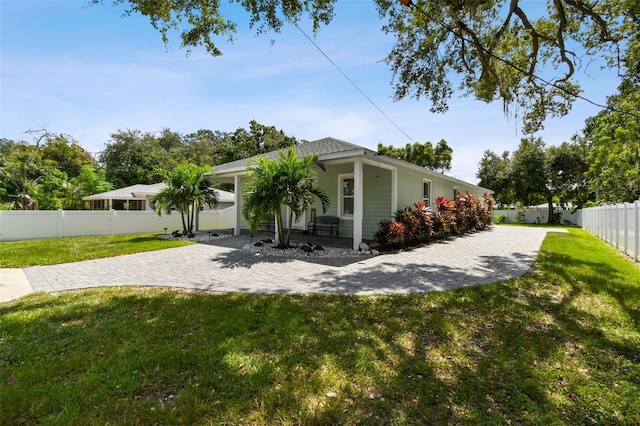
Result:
pixel 362 192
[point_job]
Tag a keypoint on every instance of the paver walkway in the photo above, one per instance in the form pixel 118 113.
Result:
pixel 485 257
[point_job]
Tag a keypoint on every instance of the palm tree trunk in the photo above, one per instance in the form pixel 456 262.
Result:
pixel 289 228
pixel 184 224
pixel 281 241
pixel 191 216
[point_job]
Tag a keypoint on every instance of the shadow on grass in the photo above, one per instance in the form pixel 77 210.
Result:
pixel 519 352
pixel 238 356
pixel 473 356
pixel 591 281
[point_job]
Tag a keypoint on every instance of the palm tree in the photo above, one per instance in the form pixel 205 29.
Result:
pixel 289 181
pixel 187 190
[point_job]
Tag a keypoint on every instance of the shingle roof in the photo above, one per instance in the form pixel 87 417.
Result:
pixel 127 193
pixel 139 191
pixel 321 147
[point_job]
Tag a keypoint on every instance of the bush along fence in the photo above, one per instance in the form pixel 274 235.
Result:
pixel 617 224
pixel 418 225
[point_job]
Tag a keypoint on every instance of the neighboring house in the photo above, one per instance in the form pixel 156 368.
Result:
pixel 363 186
pixel 138 197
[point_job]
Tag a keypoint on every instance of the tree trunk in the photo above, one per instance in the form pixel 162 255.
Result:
pixel 550 203
pixel 184 224
pixel 281 240
pixel 289 227
pixel 192 217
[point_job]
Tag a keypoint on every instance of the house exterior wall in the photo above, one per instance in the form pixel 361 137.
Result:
pixel 410 188
pixel 378 194
pixel 377 199
pixel 328 181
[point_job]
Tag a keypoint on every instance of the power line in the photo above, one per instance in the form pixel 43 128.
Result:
pixel 409 3
pixel 354 84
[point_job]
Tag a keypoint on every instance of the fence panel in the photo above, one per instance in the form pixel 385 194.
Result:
pixel 617 224
pixel 217 219
pixel 30 225
pixel 536 215
pixel 78 223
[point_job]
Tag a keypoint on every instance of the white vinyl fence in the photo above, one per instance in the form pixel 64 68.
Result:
pixel 618 225
pixel 30 225
pixel 536 215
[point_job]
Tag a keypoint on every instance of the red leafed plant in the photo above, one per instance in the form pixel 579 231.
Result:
pixel 417 225
pixel 396 232
pixel 443 204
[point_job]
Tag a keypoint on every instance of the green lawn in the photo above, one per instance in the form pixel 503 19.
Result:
pixel 21 254
pixel 558 346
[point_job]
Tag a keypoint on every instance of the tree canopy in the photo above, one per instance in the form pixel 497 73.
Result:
pixel 422 154
pixel 41 175
pixel 614 140
pixel 536 173
pixel 494 173
pixel 134 156
pixel 494 49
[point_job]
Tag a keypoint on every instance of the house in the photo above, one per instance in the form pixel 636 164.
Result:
pixel 363 186
pixel 138 197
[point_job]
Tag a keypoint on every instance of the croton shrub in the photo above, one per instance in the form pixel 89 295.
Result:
pixel 419 224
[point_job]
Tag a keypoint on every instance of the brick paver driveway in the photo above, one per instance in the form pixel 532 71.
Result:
pixel 485 257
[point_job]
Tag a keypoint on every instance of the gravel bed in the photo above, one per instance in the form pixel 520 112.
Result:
pixel 270 249
pixel 327 252
pixel 200 237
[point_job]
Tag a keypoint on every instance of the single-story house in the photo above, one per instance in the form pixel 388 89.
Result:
pixel 363 186
pixel 138 197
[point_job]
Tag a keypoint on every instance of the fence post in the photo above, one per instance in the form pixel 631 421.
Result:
pixel 636 215
pixel 614 225
pixel 618 225
pixel 60 223
pixel 112 221
pixel 599 222
pixel 625 229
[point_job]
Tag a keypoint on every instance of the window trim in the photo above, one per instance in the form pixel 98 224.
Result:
pixel 425 180
pixel 341 178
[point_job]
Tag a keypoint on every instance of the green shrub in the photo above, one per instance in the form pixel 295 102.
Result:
pixel 417 225
pixel 500 218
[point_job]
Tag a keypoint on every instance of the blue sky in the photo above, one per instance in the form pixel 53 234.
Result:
pixel 86 71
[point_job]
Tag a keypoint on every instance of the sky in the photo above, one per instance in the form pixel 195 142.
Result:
pixel 87 71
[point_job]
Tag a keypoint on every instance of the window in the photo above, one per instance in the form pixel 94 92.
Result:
pixel 426 192
pixel 456 190
pixel 346 192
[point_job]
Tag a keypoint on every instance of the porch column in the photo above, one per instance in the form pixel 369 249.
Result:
pixel 394 191
pixel 237 198
pixel 358 202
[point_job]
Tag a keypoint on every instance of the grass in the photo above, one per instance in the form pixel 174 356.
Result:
pixel 560 345
pixel 21 254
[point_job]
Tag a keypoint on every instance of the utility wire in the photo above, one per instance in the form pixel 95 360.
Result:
pixel 354 84
pixel 410 3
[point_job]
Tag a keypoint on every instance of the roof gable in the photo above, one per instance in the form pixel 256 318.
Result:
pixel 322 147
pixel 331 148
